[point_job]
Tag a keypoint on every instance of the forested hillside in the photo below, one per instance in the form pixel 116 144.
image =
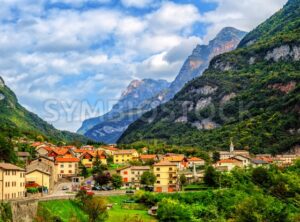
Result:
pixel 251 95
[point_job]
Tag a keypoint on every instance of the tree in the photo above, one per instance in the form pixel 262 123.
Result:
pixel 84 171
pixel 211 177
pixel 102 178
pixel 261 208
pixel 96 208
pixel 40 138
pixel 5 212
pixel 7 153
pixel 182 180
pixel 261 176
pixel 116 180
pixel 82 197
pixel 216 156
pixel 148 178
pixel 97 165
pixel 173 210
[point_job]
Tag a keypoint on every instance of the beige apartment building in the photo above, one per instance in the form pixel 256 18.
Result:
pixel 125 156
pixel 12 182
pixel 67 167
pixel 166 177
pixel 131 175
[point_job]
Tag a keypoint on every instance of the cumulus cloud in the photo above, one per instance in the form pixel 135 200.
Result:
pixel 242 14
pixel 137 3
pixel 171 17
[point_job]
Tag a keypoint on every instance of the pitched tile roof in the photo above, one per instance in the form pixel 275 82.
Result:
pixel 229 161
pixel 165 163
pixel 147 156
pixel 62 160
pixel 140 167
pixel 120 152
pixel 192 159
pixel 60 151
pixel 9 166
pixel 177 158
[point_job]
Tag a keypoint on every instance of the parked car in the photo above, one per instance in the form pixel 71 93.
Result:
pixel 149 188
pixel 104 188
pixel 65 188
pixel 109 188
pixel 96 188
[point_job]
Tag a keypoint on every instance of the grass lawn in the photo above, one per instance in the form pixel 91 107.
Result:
pixel 121 212
pixel 63 209
pixel 113 166
pixel 127 212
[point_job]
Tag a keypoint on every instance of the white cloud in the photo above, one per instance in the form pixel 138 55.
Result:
pixel 171 17
pixel 157 67
pixel 79 2
pixel 137 3
pixel 241 14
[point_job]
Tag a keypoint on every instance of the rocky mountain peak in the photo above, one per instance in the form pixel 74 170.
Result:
pixel 226 40
pixel 134 84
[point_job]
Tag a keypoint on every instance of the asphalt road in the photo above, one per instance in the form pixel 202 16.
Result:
pixel 59 192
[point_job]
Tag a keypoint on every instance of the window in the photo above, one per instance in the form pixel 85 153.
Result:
pixel 171 168
pixel 61 171
pixel 70 165
pixel 170 175
pixel 170 182
pixel 158 169
pixel 61 166
pixel 158 182
pixel 157 175
pixel 70 171
pixel 125 172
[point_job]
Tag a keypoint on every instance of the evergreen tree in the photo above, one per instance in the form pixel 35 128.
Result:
pixel 97 165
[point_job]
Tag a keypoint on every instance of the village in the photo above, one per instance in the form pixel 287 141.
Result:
pixel 61 170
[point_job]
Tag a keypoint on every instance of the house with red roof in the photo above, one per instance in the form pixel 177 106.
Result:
pixel 195 161
pixel 67 166
pixel 146 158
pixel 87 158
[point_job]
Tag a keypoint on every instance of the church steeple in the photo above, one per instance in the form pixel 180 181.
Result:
pixel 231 146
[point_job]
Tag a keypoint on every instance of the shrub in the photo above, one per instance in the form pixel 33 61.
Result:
pixel 32 190
pixel 172 210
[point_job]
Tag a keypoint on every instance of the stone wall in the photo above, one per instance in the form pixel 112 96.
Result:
pixel 24 210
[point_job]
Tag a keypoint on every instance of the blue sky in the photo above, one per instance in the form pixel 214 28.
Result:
pixel 68 60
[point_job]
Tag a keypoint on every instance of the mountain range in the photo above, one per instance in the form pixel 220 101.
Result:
pixel 109 127
pixel 250 95
pixel 144 95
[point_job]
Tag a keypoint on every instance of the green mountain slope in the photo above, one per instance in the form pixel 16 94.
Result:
pixel 251 94
pixel 15 120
